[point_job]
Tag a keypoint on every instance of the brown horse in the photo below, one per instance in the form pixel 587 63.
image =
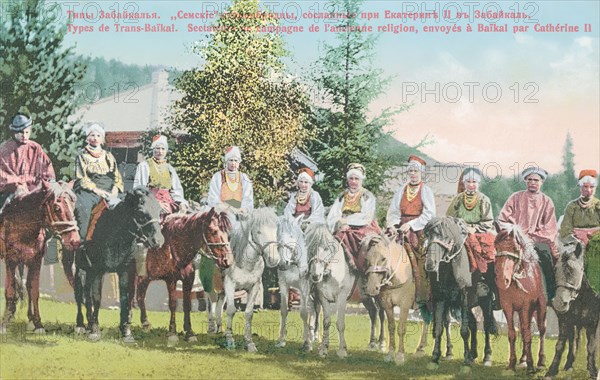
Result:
pixel 521 290
pixel 185 236
pixel 390 279
pixel 23 225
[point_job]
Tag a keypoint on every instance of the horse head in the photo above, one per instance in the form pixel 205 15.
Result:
pixel 509 245
pixel 216 237
pixel 145 211
pixel 444 239
pixel 59 213
pixel 569 274
pixel 323 249
pixel 262 232
pixel 379 270
pixel 290 241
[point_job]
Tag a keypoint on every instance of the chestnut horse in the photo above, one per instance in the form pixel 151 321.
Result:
pixel 185 236
pixel 521 290
pixel 23 225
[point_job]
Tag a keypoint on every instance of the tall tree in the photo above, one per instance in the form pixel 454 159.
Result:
pixel 240 96
pixel 39 75
pixel 568 163
pixel 349 82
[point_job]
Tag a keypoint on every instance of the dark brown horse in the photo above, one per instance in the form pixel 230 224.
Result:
pixel 23 225
pixel 521 290
pixel 185 236
pixel 577 306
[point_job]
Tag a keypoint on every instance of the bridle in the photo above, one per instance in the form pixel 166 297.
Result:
pixel 209 251
pixel 139 232
pixel 326 269
pixel 387 270
pixel 60 227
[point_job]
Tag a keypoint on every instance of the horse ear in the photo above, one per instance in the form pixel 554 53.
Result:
pixel 497 226
pixel 212 212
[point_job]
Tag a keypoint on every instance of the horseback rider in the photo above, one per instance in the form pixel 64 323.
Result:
pixel 412 207
pixel 352 215
pixel 475 209
pixel 533 211
pixel 230 188
pixel 306 201
pixel 583 212
pixel 162 180
pixel 97 177
pixel 23 162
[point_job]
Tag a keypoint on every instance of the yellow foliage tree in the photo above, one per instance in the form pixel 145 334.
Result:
pixel 240 96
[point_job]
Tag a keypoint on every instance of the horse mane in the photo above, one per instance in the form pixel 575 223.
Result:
pixel 447 226
pixel 318 235
pixel 286 224
pixel 259 217
pixel 37 196
pixel 503 242
pixel 177 224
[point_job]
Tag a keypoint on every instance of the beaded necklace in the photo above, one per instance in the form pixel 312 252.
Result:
pixel 352 199
pixel 302 198
pixel 232 183
pixel 470 200
pixel 412 191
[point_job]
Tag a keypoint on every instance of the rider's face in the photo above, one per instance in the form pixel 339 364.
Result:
pixel 471 186
pixel 414 175
pixel 534 183
pixel 94 139
pixel 303 185
pixel 23 136
pixel 159 152
pixel 233 165
pixel 354 183
pixel 587 190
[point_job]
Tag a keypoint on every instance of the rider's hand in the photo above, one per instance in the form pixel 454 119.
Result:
pixel 114 192
pixel 405 228
pixel 182 208
pixel 391 231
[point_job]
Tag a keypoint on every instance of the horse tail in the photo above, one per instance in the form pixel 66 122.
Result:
pixel 426 314
pixel 68 257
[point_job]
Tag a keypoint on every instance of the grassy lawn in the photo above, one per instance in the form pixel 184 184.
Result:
pixel 60 354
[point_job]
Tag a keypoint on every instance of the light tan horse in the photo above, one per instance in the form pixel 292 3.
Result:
pixel 389 277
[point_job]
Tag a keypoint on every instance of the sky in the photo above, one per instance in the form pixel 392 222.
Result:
pixel 501 100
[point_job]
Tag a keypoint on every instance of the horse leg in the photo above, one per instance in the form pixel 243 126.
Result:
pixel 381 311
pixel 306 313
pixel 132 280
pixel 423 339
pixel 541 323
pixel 230 299
pixel 573 343
pixel 489 328
pixel 510 322
pixel 94 298
pixel 326 325
pixel 525 317
pixel 79 281
pixel 142 287
pixel 439 317
pixel 465 326
pixel 473 332
pixel 369 304
pixel 283 308
pixel 389 309
pixel 219 311
pixel 11 296
pixel 187 284
pixel 448 328
pixel 565 332
pixel 341 326
pixel 249 313
pixel 68 257
pixel 405 305
pixel 33 289
pixel 592 345
pixel 124 325
pixel 172 338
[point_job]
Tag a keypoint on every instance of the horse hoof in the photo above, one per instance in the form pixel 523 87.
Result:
pixel 79 330
pixel 389 357
pixel 449 357
pixel 172 340
pixel 191 338
pixel 382 347
pixel 252 348
pixel 212 327
pixel 230 345
pixel 39 331
pixel 522 365
pixel 129 339
pixel 94 337
pixel 30 326
pixel 3 329
pixel 372 346
pixel 432 366
pixel 465 369
pixel 399 359
pixel 342 354
pixel 307 347
pixel 146 326
pixel 487 363
pixel 323 352
pixel 280 344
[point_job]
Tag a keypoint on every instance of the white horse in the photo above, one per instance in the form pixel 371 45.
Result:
pixel 292 272
pixel 253 241
pixel 332 281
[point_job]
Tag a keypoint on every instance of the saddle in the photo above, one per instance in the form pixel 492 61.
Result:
pixel 97 212
pixel 481 250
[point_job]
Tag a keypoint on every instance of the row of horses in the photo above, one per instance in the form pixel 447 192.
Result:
pixel 311 261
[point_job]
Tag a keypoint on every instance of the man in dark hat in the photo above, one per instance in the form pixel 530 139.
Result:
pixel 533 211
pixel 23 162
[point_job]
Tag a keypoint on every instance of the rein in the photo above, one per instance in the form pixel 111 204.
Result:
pixel 387 269
pixel 55 225
pixel 138 234
pixel 210 254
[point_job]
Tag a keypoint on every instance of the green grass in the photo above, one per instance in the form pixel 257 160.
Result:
pixel 60 354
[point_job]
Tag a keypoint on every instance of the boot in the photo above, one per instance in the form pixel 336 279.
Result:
pixel 140 260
